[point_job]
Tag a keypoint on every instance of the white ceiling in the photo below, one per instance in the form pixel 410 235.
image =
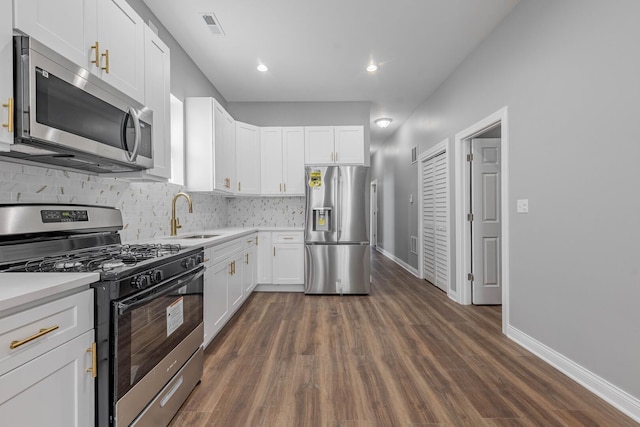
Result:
pixel 318 50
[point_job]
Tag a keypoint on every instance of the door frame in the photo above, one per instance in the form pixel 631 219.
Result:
pixel 374 206
pixel 462 232
pixel 439 148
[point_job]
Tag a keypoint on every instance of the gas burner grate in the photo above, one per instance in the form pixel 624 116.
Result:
pixel 105 258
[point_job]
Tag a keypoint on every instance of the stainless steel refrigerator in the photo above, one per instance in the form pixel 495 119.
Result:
pixel 337 230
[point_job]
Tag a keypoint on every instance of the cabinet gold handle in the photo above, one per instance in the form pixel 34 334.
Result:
pixel 106 57
pixel 336 156
pixel 246 259
pixel 256 240
pixel 274 251
pixel 9 124
pixel 281 187
pixel 238 185
pixel 96 58
pixel 230 269
pixel 332 156
pixel 44 331
pixel 234 268
pixel 285 187
pixel 94 360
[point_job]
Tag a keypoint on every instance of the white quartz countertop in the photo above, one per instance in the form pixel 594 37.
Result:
pixel 22 288
pixel 208 238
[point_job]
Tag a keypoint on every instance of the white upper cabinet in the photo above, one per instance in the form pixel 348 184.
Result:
pixel 326 145
pixel 349 145
pixel 210 146
pixel 318 145
pixel 6 76
pixel 293 160
pixel 282 161
pixel 157 97
pixel 247 158
pixel 105 37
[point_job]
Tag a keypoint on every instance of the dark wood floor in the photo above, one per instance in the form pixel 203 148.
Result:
pixel 403 356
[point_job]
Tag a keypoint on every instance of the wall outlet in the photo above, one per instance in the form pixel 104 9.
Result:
pixel 522 205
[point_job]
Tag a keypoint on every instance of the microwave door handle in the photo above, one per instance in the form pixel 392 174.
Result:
pixel 136 125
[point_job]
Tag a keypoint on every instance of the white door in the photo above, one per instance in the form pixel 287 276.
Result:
pixel 485 226
pixel 435 237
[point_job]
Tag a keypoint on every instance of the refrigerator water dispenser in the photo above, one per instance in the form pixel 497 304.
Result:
pixel 322 219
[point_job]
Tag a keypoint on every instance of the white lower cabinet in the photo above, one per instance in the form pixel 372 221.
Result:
pixel 47 377
pixel 225 289
pixel 51 390
pixel 280 259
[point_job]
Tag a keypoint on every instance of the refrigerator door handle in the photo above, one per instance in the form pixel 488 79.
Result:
pixel 339 213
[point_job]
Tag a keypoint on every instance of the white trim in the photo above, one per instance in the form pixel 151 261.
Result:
pixel 439 148
pixel 500 117
pixel 264 287
pixel 592 382
pixel 373 205
pixel 398 261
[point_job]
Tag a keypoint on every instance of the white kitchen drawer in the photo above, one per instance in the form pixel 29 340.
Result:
pixel 250 240
pixel 221 252
pixel 73 316
pixel 287 237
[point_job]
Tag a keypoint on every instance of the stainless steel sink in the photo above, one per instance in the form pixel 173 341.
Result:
pixel 199 236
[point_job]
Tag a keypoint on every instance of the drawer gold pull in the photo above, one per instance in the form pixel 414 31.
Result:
pixel 94 360
pixel 106 57
pixel 288 238
pixel 45 331
pixel 96 59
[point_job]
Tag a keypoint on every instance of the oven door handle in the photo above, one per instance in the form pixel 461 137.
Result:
pixel 138 300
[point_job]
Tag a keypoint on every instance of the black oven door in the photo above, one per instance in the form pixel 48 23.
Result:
pixel 148 325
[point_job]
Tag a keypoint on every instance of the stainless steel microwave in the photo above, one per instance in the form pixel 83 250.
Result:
pixel 67 117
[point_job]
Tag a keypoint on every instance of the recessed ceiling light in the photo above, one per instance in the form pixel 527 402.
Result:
pixel 371 68
pixel 262 68
pixel 383 122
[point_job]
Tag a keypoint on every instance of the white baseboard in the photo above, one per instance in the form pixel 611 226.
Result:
pixel 278 288
pixel 614 395
pixel 398 261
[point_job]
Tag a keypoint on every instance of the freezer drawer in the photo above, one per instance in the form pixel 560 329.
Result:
pixel 337 269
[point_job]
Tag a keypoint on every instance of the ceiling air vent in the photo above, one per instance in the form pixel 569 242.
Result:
pixel 213 23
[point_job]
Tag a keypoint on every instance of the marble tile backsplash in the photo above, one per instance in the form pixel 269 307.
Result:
pixel 266 211
pixel 145 207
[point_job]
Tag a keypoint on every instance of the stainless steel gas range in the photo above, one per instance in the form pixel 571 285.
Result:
pixel 148 304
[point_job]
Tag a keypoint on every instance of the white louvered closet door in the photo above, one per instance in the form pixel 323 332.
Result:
pixel 434 221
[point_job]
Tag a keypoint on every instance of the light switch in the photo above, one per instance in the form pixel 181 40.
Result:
pixel 522 205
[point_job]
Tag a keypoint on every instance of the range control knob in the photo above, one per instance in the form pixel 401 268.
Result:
pixel 189 262
pixel 199 259
pixel 141 282
pixel 157 276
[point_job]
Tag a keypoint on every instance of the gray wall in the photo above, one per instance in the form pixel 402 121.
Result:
pixel 569 72
pixel 186 77
pixel 304 114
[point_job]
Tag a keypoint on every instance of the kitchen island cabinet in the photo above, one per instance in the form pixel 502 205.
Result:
pixel 47 355
pixel 105 37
